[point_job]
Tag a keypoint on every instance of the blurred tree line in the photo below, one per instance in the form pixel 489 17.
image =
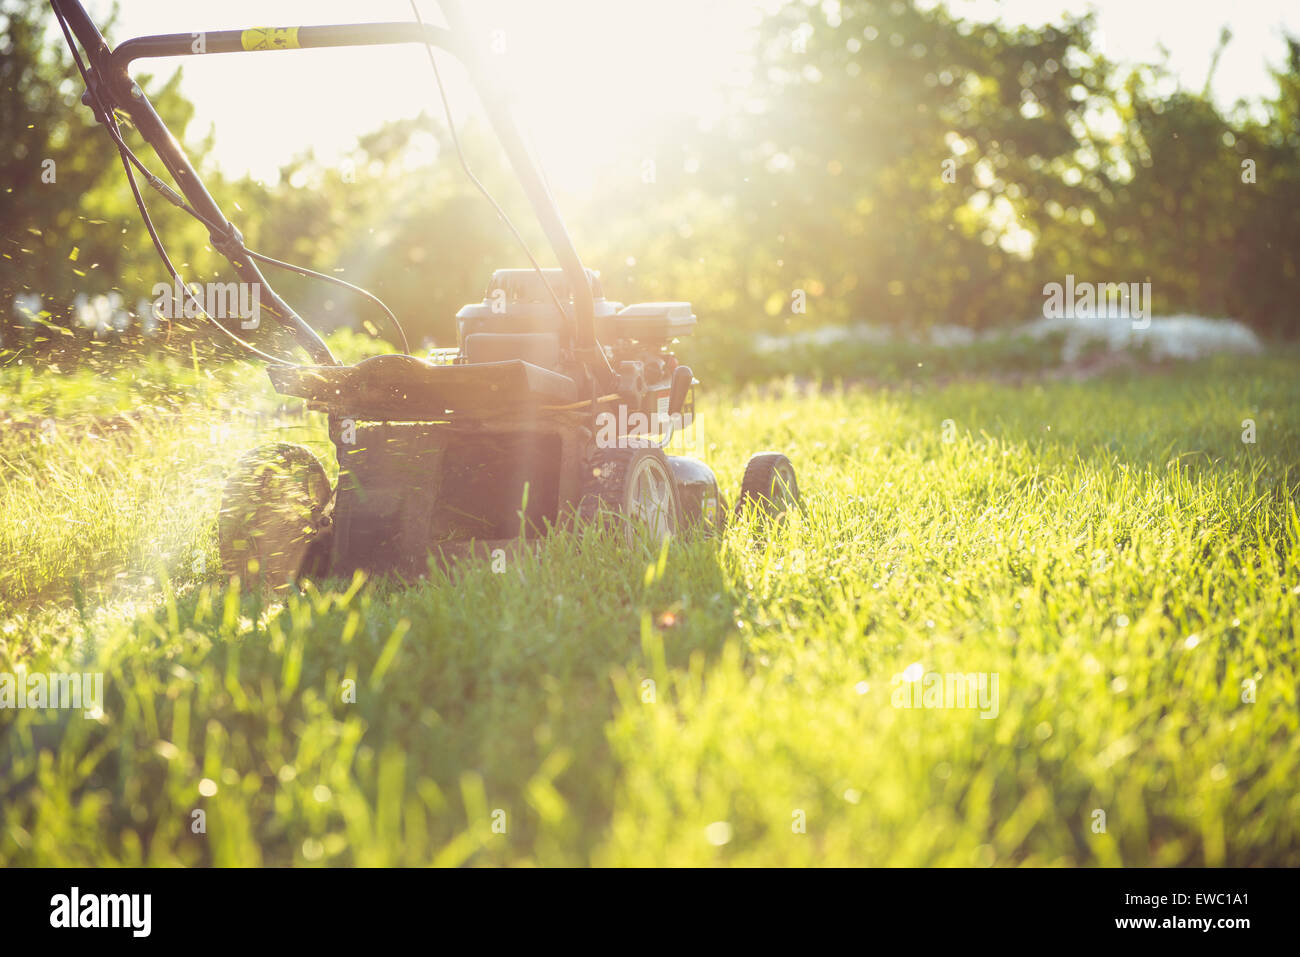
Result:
pixel 889 162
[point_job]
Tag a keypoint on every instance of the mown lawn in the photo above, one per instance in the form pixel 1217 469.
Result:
pixel 1111 550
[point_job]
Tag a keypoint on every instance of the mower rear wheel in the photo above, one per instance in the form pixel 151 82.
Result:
pixel 769 484
pixel 273 511
pixel 637 485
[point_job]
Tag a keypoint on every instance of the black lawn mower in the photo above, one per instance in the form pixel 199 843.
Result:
pixel 554 408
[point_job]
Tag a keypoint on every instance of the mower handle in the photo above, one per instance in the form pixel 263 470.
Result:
pixel 274 38
pixel 111 68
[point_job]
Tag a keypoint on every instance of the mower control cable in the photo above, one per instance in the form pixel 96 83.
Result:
pixel 230 240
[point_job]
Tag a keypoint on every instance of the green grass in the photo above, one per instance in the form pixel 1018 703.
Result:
pixel 1112 550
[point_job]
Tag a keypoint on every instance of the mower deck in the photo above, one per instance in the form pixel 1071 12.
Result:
pixel 407 389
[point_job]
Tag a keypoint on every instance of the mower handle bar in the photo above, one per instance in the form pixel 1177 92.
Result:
pixel 110 68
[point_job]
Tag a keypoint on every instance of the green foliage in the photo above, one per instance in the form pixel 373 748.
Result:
pixel 903 166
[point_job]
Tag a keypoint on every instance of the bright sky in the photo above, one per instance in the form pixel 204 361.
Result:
pixel 589 72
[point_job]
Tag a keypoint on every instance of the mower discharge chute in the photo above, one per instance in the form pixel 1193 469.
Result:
pixel 554 406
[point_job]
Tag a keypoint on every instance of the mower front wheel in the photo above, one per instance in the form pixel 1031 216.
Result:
pixel 274 512
pixel 637 486
pixel 769 485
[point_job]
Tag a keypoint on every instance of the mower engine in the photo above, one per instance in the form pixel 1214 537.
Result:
pixel 517 319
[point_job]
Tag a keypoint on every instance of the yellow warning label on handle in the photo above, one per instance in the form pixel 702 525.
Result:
pixel 270 38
